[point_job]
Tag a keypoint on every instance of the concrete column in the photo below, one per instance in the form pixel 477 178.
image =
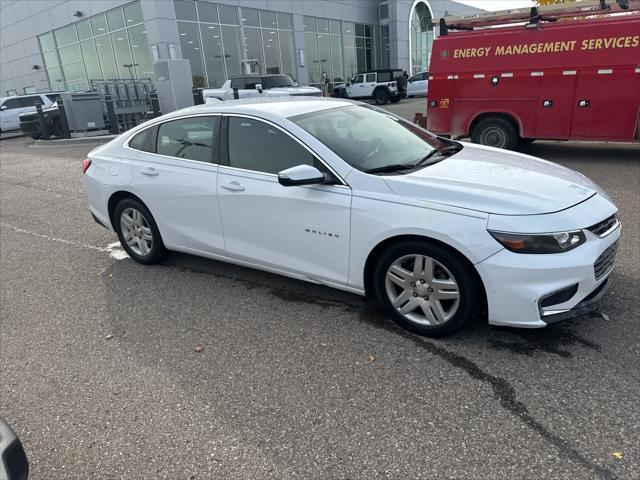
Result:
pixel 173 74
pixel 299 43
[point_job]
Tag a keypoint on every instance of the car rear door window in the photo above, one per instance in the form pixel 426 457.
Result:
pixel 145 140
pixel 189 138
pixel 371 78
pixel 261 147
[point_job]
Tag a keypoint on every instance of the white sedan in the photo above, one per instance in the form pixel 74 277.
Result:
pixel 350 196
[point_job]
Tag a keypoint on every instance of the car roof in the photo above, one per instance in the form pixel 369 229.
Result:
pixel 381 70
pixel 284 107
pixel 257 75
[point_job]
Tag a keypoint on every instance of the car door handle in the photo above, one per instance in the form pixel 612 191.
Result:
pixel 233 186
pixel 151 172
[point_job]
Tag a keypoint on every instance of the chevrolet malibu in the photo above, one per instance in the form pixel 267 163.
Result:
pixel 346 195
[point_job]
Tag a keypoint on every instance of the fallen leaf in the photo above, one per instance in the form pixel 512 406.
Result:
pixel 110 275
pixel 324 344
pixel 199 348
pixel 605 316
pixel 617 455
pixel 371 358
pixel 109 337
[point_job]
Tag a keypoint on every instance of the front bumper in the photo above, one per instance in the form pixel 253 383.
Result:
pixel 517 283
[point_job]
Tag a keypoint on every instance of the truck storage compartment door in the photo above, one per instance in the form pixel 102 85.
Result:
pixel 554 107
pixel 440 104
pixel 605 105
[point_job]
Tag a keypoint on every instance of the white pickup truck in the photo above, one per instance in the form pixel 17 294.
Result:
pixel 259 85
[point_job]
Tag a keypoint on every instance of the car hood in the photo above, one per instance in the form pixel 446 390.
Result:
pixel 496 181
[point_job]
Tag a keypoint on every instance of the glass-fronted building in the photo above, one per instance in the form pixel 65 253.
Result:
pixel 76 42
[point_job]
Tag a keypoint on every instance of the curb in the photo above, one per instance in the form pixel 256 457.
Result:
pixel 73 141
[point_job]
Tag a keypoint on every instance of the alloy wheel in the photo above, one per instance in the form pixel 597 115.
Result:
pixel 422 290
pixel 136 231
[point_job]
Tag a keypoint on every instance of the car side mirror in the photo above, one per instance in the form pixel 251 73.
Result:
pixel 300 175
pixel 3 107
pixel 259 87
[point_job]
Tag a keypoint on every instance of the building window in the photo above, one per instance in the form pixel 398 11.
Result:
pixel 384 10
pixel 385 50
pixel 111 45
pixel 210 40
pixel 339 49
pixel 420 37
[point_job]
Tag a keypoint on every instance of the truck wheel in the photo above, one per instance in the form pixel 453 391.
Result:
pixel 395 99
pixel 495 132
pixel 381 97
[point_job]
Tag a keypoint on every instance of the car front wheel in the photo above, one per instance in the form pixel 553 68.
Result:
pixel 138 232
pixel 425 288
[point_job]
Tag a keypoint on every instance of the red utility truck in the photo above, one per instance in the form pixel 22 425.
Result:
pixel 572 72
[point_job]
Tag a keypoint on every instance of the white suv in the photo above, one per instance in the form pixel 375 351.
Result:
pixel 12 107
pixel 380 85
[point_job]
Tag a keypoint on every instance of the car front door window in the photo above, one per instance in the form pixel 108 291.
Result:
pixel 260 147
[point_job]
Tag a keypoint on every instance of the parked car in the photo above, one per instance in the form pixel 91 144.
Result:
pixel 379 85
pixel 418 85
pixel 250 86
pixel 30 124
pixel 350 196
pixel 12 107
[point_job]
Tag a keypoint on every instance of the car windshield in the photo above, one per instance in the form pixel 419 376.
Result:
pixel 369 139
pixel 277 81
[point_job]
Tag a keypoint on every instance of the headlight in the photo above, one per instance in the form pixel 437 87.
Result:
pixel 540 243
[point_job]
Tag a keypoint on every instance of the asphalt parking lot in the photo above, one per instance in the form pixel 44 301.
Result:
pixel 101 377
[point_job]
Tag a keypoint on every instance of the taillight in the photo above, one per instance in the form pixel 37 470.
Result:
pixel 86 163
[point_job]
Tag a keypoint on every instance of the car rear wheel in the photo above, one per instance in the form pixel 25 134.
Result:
pixel 381 97
pixel 138 232
pixel 495 132
pixel 425 288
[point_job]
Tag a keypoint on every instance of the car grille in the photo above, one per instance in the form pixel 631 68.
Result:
pixel 601 228
pixel 605 261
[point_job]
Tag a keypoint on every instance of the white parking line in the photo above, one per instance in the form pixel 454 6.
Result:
pixel 114 250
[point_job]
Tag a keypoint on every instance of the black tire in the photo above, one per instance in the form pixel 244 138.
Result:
pixel 381 96
pixel 157 251
pixel 495 132
pixel 395 99
pixel 469 298
pixel 56 127
pixel 344 93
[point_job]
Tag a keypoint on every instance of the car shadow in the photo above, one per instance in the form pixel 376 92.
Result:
pixel 556 339
pixel 581 151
